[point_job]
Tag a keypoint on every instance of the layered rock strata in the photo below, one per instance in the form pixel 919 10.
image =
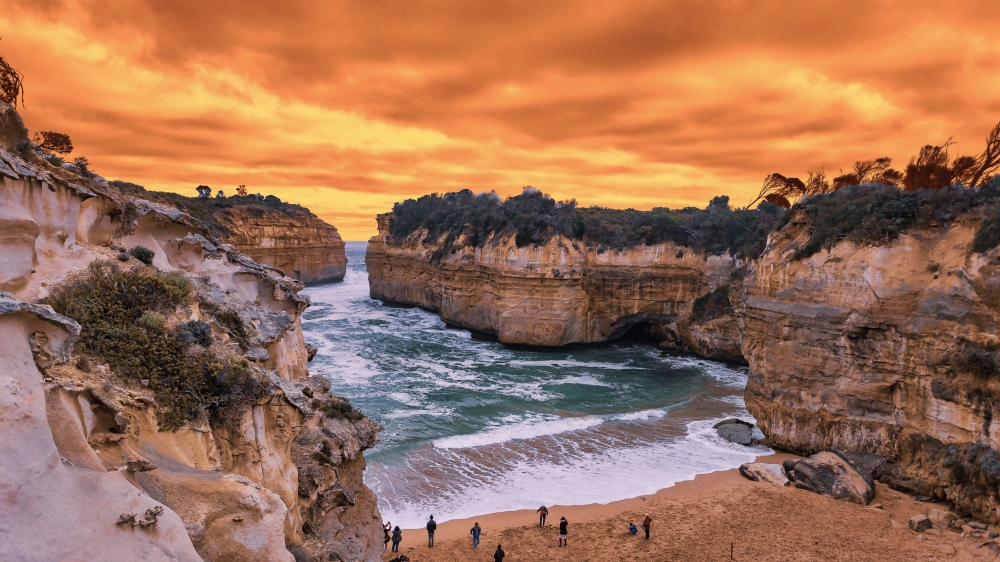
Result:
pixel 883 349
pixel 557 294
pixel 87 471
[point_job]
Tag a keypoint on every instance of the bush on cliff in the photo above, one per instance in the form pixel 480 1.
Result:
pixel 122 315
pixel 873 214
pixel 712 305
pixel 464 218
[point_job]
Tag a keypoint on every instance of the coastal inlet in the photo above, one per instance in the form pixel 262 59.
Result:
pixel 473 427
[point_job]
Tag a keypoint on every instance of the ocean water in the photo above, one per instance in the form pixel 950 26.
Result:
pixel 473 427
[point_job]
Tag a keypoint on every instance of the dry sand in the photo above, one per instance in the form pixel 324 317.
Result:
pixel 701 520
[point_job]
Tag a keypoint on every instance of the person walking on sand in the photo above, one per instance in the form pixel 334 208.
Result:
pixel 562 531
pixel 397 537
pixel 431 526
pixel 645 525
pixel 499 554
pixel 475 531
pixel 385 530
pixel 542 512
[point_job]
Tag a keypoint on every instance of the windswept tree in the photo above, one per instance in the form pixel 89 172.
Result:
pixel 11 86
pixel 52 142
pixel 876 170
pixel 988 163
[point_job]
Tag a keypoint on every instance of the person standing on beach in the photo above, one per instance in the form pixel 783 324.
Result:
pixel 475 531
pixel 562 531
pixel 431 526
pixel 499 554
pixel 645 525
pixel 385 529
pixel 397 537
pixel 542 512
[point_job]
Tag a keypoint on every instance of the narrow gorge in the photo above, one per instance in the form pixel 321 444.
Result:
pixel 167 413
pixel 877 335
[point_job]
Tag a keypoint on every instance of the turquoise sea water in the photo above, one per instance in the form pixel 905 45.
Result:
pixel 473 427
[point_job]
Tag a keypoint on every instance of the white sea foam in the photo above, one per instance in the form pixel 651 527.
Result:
pixel 511 428
pixel 587 380
pixel 571 363
pixel 643 415
pixel 601 477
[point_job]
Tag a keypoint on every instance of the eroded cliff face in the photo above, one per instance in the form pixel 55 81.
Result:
pixel 557 294
pixel 86 469
pixel 867 348
pixel 302 246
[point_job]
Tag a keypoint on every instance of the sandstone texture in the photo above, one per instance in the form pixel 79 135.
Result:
pixel 88 472
pixel 867 348
pixel 557 294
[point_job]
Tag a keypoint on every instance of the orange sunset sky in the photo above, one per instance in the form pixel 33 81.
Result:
pixel 349 106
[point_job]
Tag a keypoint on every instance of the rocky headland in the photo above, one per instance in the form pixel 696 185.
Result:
pixel 867 317
pixel 157 403
pixel 285 236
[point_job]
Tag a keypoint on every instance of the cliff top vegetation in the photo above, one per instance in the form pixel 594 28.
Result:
pixel 219 214
pixel 465 218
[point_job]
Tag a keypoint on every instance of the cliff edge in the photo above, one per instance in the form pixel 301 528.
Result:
pixel 158 403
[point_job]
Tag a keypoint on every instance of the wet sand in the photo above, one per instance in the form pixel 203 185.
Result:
pixel 706 519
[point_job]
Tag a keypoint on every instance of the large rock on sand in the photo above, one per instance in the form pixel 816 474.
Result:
pixel 735 430
pixel 763 472
pixel 830 474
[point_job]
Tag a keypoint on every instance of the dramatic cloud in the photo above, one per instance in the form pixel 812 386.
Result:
pixel 349 106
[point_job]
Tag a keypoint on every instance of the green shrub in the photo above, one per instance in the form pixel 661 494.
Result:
pixel 195 331
pixel 981 361
pixel 143 254
pixel 120 314
pixel 873 214
pixel 464 218
pixel 340 408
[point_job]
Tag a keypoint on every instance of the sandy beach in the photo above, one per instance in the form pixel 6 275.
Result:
pixel 712 517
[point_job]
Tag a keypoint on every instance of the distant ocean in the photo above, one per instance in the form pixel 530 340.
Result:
pixel 472 427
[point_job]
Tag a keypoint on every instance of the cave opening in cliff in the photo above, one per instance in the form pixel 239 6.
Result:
pixel 644 332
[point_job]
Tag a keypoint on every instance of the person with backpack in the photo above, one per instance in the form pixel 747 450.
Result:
pixel 645 525
pixel 476 531
pixel 542 512
pixel 431 526
pixel 562 532
pixel 397 537
pixel 499 554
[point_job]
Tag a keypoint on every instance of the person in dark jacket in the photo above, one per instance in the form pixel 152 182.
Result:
pixel 645 525
pixel 397 537
pixel 499 554
pixel 562 531
pixel 385 530
pixel 431 526
pixel 476 531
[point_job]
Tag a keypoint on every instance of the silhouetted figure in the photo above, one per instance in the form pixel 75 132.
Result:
pixel 562 531
pixel 431 526
pixel 397 537
pixel 645 525
pixel 385 530
pixel 499 554
pixel 542 512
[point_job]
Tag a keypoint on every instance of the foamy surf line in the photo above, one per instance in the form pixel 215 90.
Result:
pixel 523 429
pixel 598 478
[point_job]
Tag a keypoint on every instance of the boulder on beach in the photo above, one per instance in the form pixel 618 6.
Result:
pixel 868 464
pixel 920 523
pixel 735 430
pixel 940 518
pixel 829 474
pixel 764 472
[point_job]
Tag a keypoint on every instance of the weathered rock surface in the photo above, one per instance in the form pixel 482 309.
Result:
pixel 556 294
pixel 764 472
pixel 920 523
pixel 735 430
pixel 829 474
pixel 86 472
pixel 860 348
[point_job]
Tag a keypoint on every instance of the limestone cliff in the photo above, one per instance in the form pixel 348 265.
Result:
pixel 285 236
pixel 88 469
pixel 885 349
pixel 559 293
